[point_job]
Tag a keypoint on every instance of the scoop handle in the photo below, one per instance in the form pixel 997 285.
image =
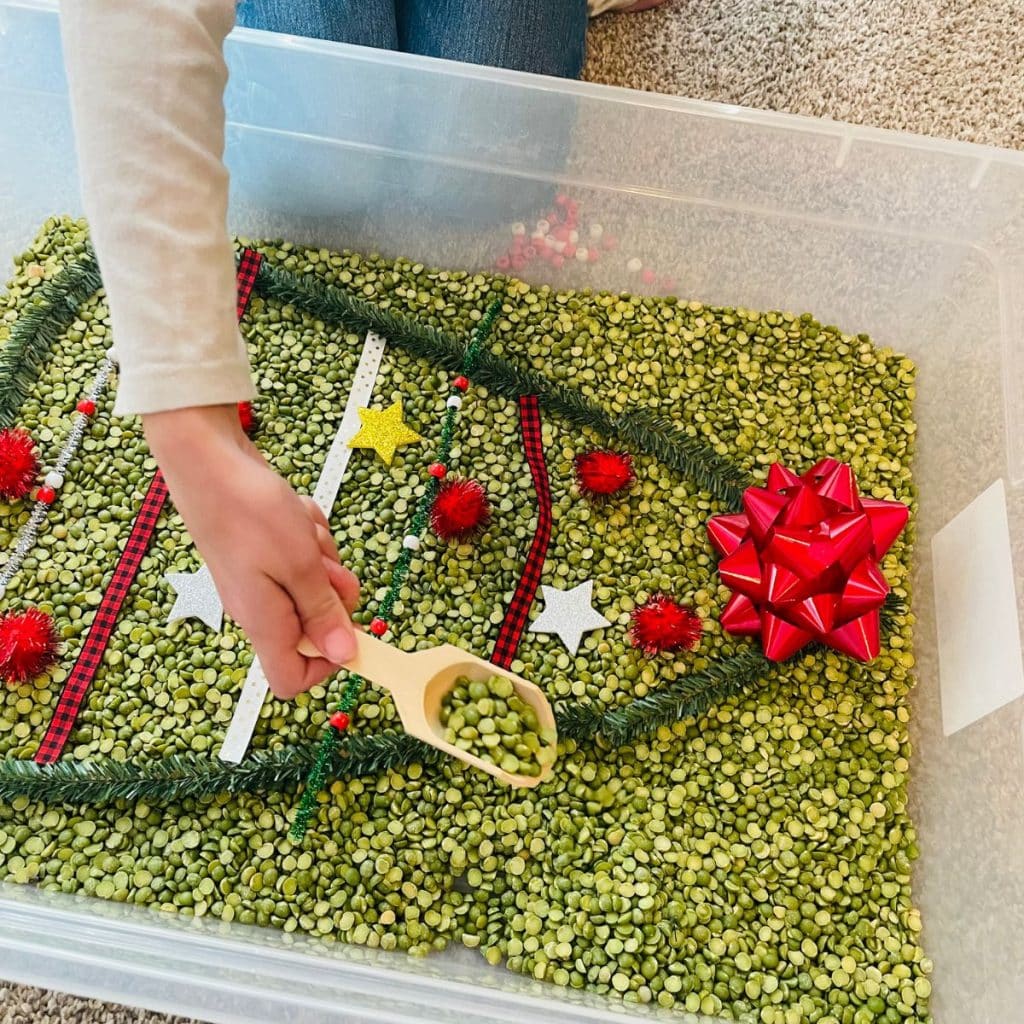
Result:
pixel 384 665
pixel 379 662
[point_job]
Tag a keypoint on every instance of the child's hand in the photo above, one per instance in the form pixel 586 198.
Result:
pixel 270 552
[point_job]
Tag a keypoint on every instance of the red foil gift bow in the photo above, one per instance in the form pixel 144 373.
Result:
pixel 802 561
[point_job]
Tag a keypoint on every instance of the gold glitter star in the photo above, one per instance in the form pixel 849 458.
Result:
pixel 383 431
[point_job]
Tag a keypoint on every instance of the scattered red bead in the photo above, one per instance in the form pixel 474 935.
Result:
pixel 378 627
pixel 648 276
pixel 460 510
pixel 662 624
pixel 601 472
pixel 247 417
pixel 437 470
pixel 29 645
pixel 460 382
pixel 47 495
pixel 340 721
pixel 19 465
pixel 87 407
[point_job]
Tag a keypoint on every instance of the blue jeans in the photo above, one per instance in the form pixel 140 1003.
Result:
pixel 543 36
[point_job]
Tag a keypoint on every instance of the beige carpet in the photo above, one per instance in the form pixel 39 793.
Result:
pixel 937 67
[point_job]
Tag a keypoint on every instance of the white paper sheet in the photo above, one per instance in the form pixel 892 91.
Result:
pixel 980 663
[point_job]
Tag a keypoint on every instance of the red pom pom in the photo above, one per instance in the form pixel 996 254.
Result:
pixel 461 510
pixel 600 473
pixel 663 624
pixel 19 466
pixel 28 645
pixel 247 417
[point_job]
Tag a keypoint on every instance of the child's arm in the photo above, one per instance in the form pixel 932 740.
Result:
pixel 146 82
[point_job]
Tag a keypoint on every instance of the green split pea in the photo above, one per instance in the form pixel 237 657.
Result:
pixel 488 719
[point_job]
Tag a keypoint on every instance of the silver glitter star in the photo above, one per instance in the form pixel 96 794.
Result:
pixel 569 614
pixel 196 598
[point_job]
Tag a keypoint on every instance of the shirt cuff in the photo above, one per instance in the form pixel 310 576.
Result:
pixel 159 389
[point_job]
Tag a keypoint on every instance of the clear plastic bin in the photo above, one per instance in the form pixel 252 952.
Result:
pixel 916 241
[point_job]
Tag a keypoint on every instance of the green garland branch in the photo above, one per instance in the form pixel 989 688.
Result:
pixel 52 309
pixel 689 697
pixel 643 430
pixel 183 776
pixel 104 780
pixel 193 775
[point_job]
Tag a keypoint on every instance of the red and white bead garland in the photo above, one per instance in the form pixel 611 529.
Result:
pixel 47 492
pixel 437 471
pixel 559 236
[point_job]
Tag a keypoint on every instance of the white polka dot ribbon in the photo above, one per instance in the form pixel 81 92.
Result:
pixel 254 691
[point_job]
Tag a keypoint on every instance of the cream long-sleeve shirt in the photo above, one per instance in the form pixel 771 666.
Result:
pixel 147 79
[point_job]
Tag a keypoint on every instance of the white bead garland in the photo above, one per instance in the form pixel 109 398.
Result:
pixel 55 477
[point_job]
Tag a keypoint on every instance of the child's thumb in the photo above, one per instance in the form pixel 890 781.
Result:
pixel 324 618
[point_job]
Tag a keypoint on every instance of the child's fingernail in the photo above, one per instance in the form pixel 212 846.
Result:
pixel 339 646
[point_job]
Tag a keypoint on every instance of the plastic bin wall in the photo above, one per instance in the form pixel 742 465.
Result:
pixel 918 242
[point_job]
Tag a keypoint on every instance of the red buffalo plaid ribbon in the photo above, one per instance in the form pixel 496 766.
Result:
pixel 248 270
pixel 91 656
pixel 518 610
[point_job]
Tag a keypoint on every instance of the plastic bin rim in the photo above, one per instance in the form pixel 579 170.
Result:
pixel 842 130
pixel 31 917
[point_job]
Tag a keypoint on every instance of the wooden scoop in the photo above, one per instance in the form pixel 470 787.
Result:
pixel 418 682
